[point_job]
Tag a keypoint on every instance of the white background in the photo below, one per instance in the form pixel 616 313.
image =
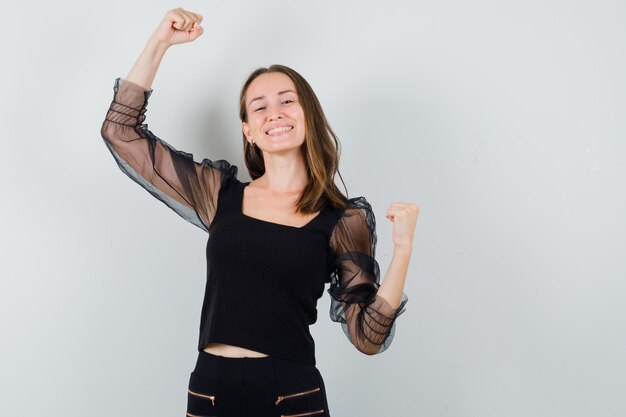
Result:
pixel 503 120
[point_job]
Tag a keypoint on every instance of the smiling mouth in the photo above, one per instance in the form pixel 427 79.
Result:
pixel 279 130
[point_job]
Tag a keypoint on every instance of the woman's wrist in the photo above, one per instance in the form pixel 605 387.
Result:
pixel 156 46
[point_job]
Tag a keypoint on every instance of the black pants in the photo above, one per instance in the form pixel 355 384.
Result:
pixel 220 386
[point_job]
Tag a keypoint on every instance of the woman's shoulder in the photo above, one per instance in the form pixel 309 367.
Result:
pixel 227 169
pixel 356 215
pixel 353 205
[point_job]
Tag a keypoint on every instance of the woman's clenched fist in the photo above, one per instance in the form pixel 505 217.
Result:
pixel 178 26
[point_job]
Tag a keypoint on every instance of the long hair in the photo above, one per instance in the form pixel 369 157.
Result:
pixel 321 148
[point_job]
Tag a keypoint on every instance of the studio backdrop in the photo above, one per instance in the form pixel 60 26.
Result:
pixel 503 121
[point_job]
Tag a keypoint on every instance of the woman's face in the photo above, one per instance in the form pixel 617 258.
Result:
pixel 275 116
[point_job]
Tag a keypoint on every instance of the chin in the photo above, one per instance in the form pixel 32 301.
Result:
pixel 283 148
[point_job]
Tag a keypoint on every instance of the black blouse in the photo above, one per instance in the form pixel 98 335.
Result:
pixel 263 278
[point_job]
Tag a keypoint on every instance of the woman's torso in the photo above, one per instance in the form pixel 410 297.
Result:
pixel 252 206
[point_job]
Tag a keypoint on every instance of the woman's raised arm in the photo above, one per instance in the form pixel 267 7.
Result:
pixel 190 188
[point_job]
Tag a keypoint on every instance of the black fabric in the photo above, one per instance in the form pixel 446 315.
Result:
pixel 367 319
pixel 263 278
pixel 255 387
pixel 188 187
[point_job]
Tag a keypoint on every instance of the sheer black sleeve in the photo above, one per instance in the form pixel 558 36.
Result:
pixel 367 319
pixel 189 188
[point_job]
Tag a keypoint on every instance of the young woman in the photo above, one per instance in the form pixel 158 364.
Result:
pixel 274 242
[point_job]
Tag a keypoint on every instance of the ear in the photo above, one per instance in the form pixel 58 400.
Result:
pixel 245 129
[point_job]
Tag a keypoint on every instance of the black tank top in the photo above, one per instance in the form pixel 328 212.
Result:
pixel 264 279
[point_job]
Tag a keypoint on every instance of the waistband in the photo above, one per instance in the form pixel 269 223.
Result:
pixel 250 369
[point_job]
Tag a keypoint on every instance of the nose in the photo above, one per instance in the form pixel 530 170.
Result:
pixel 273 113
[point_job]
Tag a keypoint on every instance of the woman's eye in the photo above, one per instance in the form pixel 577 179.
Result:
pixel 287 101
pixel 259 108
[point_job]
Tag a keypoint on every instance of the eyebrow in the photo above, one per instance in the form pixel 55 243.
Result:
pixel 279 93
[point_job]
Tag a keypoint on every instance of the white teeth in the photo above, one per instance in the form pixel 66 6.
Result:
pixel 279 130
